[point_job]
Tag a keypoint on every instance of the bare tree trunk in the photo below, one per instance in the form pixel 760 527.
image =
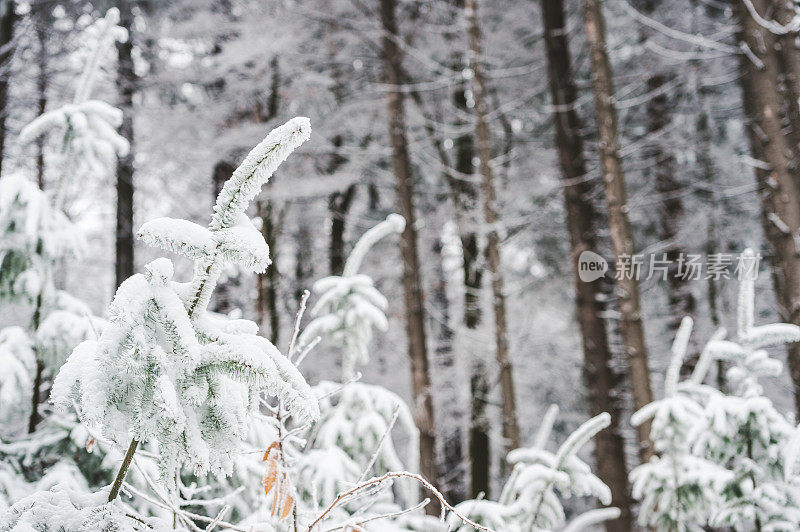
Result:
pixel 222 295
pixel 304 260
pixel 41 86
pixel 780 201
pixel 465 201
pixel 464 195
pixel 126 86
pixel 451 473
pixel 789 65
pixel 627 287
pixel 412 284
pixel 267 302
pixel 484 144
pixel 609 451
pixel 8 18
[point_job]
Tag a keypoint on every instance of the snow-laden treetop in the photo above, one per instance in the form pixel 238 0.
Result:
pixel 164 369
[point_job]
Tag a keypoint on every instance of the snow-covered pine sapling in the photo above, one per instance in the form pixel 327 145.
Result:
pixel 34 237
pixel 529 500
pixel 18 362
pixel 679 491
pixel 349 305
pixel 723 459
pixel 167 371
pixel 354 419
pixel 745 432
pixel 86 128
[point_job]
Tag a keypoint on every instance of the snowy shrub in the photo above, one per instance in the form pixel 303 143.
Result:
pixel 727 459
pixel 60 509
pixel 33 236
pixel 678 490
pixel 18 362
pixel 86 128
pixel 530 497
pixel 166 370
pixel 349 306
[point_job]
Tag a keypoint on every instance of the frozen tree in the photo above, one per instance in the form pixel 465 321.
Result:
pixel 530 496
pixel 350 306
pixel 87 128
pixel 354 419
pixel 164 369
pixel 728 459
pixel 61 509
pixel 33 236
pixel 18 362
pixel 678 490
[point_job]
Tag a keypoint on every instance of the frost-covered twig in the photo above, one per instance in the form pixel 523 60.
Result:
pixel 378 447
pixel 446 506
pixel 394 223
pixel 422 504
pixel 297 320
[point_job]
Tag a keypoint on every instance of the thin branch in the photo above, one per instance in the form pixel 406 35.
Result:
pixel 372 460
pixel 398 474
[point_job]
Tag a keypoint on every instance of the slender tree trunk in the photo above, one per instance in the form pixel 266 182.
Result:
pixel 780 200
pixel 36 394
pixel 484 144
pixel 7 20
pixel 41 87
pixel 412 284
pixel 465 202
pixel 609 452
pixel 627 287
pixel 451 475
pixel 304 260
pixel 267 303
pixel 126 86
pixel 222 295
pixel 464 196
pixel 789 64
pixel 339 204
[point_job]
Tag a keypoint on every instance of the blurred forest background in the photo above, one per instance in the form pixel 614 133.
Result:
pixel 505 133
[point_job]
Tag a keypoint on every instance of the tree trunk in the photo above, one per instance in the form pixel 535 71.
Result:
pixel 789 65
pixel 484 144
pixel 779 197
pixel 304 259
pixel 412 285
pixel 126 86
pixel 609 451
pixel 465 203
pixel 7 19
pixel 41 87
pixel 222 295
pixel 267 282
pixel 464 196
pixel 451 473
pixel 339 205
pixel 627 288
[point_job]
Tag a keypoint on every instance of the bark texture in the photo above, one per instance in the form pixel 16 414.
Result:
pixel 511 434
pixel 627 288
pixel 780 200
pixel 8 18
pixel 601 382
pixel 126 87
pixel 412 284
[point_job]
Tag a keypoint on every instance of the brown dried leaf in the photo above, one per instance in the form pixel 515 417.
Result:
pixel 288 504
pixel 271 475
